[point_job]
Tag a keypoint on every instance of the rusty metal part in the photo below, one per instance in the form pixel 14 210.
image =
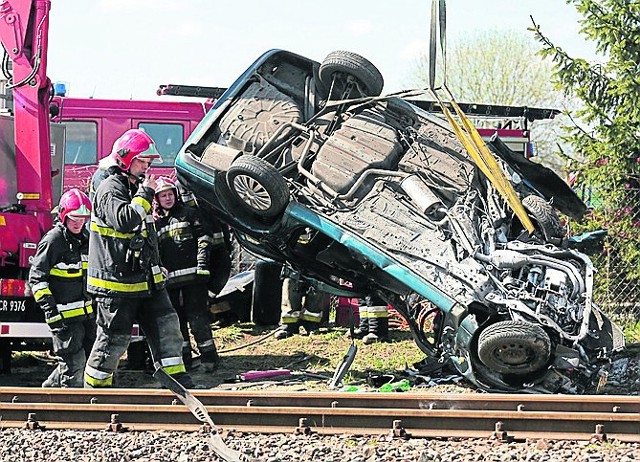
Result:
pixel 303 427
pixel 115 425
pixel 398 431
pixel 32 423
pixel 500 434
pixel 419 415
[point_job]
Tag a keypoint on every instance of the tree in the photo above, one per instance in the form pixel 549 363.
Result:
pixel 609 147
pixel 503 68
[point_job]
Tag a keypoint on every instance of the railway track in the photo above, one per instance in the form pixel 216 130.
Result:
pixel 499 416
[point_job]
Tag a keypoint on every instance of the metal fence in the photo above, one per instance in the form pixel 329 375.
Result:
pixel 615 289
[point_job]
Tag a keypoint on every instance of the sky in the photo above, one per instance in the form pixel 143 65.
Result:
pixel 125 49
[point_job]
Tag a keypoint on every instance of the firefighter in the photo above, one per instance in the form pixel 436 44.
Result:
pixel 57 278
pixel 138 356
pixel 374 320
pixel 185 250
pixel 124 272
pixel 302 306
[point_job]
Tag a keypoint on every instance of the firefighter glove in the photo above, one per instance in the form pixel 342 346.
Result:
pixel 54 319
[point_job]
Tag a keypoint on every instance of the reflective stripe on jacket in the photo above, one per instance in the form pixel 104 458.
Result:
pixel 58 273
pixel 185 244
pixel 121 211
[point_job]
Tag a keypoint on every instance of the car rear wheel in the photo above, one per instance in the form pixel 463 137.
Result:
pixel 514 347
pixel 546 217
pixel 258 186
pixel 368 76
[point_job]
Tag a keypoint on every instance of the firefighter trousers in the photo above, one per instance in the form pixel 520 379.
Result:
pixel 302 306
pixel 71 344
pixel 160 325
pixel 190 302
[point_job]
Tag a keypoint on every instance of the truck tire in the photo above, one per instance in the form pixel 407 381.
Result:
pixel 346 62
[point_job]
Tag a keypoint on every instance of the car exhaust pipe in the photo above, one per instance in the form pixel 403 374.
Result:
pixel 422 196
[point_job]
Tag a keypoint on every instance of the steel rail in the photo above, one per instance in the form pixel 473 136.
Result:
pixel 419 415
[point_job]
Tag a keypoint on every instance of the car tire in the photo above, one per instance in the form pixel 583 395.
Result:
pixel 367 75
pixel 258 186
pixel 514 347
pixel 546 217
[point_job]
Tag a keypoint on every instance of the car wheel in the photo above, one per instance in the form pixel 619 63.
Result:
pixel 514 347
pixel 258 186
pixel 367 75
pixel 546 216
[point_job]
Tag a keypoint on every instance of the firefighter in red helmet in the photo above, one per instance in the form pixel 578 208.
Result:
pixel 186 242
pixel 57 278
pixel 124 272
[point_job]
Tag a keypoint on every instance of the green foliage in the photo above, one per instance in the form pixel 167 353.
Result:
pixel 503 68
pixel 607 141
pixel 632 332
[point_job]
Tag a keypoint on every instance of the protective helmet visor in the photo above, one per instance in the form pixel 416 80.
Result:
pixel 80 214
pixel 151 154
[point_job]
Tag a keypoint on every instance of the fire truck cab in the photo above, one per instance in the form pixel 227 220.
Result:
pixel 50 143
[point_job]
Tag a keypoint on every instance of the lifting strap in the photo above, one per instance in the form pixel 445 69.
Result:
pixel 467 133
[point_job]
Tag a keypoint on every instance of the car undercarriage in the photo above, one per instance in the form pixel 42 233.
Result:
pixel 388 199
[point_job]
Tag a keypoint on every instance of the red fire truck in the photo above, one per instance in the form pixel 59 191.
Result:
pixel 50 143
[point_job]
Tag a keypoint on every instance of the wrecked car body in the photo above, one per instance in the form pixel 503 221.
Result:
pixel 387 198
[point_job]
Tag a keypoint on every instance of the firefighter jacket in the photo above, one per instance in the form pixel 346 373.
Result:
pixel 123 245
pixel 58 276
pixel 186 242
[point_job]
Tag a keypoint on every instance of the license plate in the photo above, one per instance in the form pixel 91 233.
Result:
pixel 13 305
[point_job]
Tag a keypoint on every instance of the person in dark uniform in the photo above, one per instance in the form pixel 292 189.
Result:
pixel 57 278
pixel 185 250
pixel 124 272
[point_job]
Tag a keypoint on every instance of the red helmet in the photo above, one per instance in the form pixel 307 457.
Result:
pixel 164 183
pixel 74 203
pixel 133 144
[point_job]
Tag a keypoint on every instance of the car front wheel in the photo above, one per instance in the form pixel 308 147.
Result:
pixel 514 347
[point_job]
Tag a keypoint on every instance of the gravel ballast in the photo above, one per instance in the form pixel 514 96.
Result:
pixel 18 445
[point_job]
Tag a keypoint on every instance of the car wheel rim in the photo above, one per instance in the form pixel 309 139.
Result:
pixel 513 354
pixel 252 192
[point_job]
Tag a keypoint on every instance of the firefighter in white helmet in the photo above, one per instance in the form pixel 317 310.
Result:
pixel 57 278
pixel 186 242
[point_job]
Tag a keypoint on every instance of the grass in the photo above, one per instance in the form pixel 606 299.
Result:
pixel 319 353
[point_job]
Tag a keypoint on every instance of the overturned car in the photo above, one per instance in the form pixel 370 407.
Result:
pixel 387 198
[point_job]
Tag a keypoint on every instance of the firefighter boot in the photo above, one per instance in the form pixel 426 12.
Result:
pixel 363 327
pixel 287 330
pixel 316 305
pixel 190 363
pixel 378 325
pixel 210 359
